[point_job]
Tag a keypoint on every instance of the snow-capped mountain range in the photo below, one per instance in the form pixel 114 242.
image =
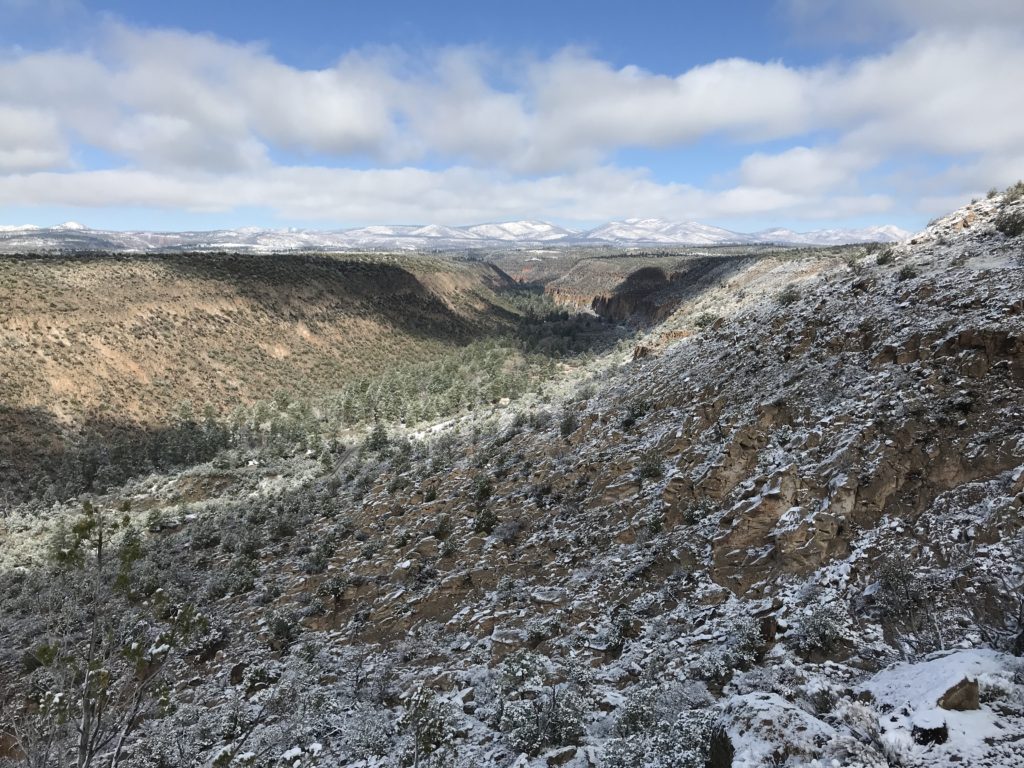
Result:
pixel 512 234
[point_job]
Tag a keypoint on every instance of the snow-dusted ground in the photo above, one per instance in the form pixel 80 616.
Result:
pixel 778 541
pixel 517 234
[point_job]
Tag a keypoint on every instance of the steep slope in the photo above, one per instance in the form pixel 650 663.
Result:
pixel 118 346
pixel 642 289
pixel 138 336
pixel 678 287
pixel 791 538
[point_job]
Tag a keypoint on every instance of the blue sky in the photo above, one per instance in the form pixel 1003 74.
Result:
pixel 798 113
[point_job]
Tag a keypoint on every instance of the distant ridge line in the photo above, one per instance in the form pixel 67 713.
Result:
pixel 72 236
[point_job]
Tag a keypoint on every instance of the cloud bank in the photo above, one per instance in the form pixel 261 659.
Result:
pixel 169 119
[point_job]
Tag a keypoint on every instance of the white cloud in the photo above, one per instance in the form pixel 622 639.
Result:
pixel 938 92
pixel 582 100
pixel 804 169
pixel 196 122
pixel 30 139
pixel 457 195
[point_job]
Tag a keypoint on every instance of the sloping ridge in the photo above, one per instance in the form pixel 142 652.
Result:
pixel 786 538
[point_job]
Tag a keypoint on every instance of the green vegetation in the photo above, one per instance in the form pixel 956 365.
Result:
pixel 789 295
pixel 1010 223
pixel 1014 192
pixel 478 373
pixel 705 320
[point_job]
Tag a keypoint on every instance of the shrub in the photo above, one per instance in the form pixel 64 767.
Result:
pixel 363 485
pixel 378 439
pixel 282 527
pixel 789 295
pixel 906 273
pixel 705 320
pixel 902 594
pixel 1014 192
pixel 532 715
pixel 369 731
pixel 539 419
pixel 634 411
pixel 429 723
pixel 284 630
pixel 320 557
pixel 682 743
pixel 568 424
pixel 639 712
pixel 697 511
pixel 508 532
pixel 442 528
pixel 741 645
pixel 482 490
pixel 1010 223
pixel 650 464
pixel 485 521
pixel 820 630
pixel 885 257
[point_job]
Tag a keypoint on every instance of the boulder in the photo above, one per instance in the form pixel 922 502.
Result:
pixel 961 697
pixel 560 756
pixel 505 640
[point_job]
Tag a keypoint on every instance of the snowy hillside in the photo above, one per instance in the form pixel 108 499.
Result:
pixel 513 234
pixel 784 527
pixel 885 234
pixel 665 232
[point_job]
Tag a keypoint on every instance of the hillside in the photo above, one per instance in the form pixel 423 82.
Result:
pixel 660 288
pixel 117 348
pixel 788 534
pixel 149 333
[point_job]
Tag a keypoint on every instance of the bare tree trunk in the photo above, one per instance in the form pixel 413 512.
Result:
pixel 85 725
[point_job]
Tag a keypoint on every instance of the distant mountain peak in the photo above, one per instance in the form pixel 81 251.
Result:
pixel 508 234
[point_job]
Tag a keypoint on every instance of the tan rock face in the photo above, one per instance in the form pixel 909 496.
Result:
pixel 853 471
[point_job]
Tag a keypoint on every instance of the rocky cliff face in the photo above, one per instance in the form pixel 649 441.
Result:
pixel 642 290
pixel 789 537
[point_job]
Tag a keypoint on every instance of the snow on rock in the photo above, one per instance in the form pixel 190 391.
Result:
pixel 766 729
pixel 907 697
